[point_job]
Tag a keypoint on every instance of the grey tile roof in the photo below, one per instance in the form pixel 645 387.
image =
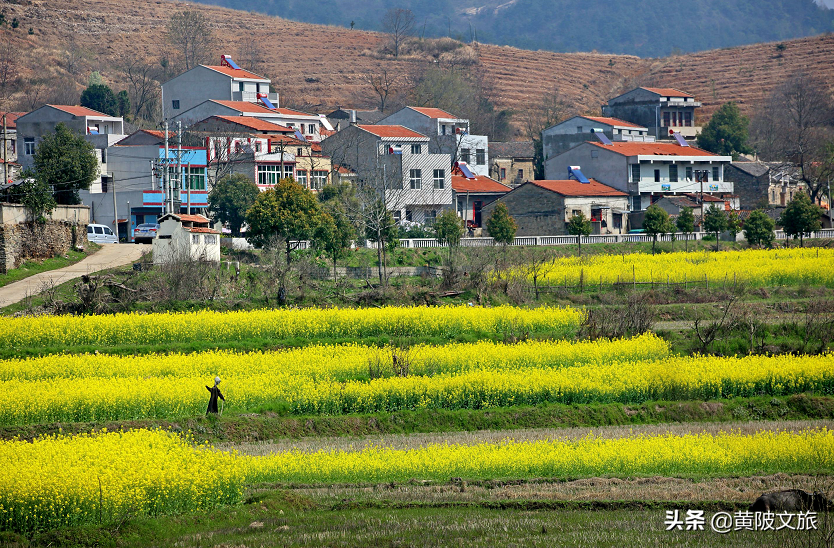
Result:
pixel 756 169
pixel 511 149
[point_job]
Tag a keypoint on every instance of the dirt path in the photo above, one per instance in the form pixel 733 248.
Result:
pixel 109 256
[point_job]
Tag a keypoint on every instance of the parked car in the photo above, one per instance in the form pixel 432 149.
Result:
pixel 145 233
pixel 101 234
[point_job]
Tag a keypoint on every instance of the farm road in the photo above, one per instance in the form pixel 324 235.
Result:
pixel 109 256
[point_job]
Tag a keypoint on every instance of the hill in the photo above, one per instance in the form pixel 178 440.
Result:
pixel 648 28
pixel 320 67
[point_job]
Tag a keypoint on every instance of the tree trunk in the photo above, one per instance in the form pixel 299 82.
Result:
pixel 379 255
pixel 654 241
pixel 686 242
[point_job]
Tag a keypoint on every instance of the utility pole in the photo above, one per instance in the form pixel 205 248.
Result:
pixel 115 210
pixel 188 188
pixel 165 185
pixel 175 198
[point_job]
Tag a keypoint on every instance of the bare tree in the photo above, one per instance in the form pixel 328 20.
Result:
pixel 249 55
pixel 74 55
pixel 384 82
pixel 143 82
pixel 9 69
pixel 399 23
pixel 796 126
pixel 190 33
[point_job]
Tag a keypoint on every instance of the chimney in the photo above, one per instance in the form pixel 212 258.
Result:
pixel 352 117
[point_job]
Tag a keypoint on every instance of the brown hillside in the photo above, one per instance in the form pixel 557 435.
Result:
pixel 322 67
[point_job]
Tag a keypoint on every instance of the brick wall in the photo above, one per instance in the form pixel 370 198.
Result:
pixel 20 242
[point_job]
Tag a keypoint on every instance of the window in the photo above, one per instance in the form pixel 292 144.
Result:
pixel 319 180
pixel 257 146
pixel 520 174
pixel 715 173
pixel 301 177
pixel 240 86
pixel 195 238
pixel 635 173
pixel 408 215
pixel 175 104
pixel 238 148
pixel 107 231
pixel 673 173
pixel 98 230
pixel 90 229
pixel 397 216
pixel 12 145
pixel 430 217
pixel 464 155
pixel 443 129
pixel 416 179
pixel 575 212
pixel 480 156
pixel 503 173
pixel 578 129
pixel 416 149
pixel 657 176
pixel 210 239
pixel 104 156
pixel 706 176
pixel 28 146
pixel 594 153
pixel 689 174
pixel 439 178
pixel 195 178
pixel 687 119
pixel 104 185
pixel 270 175
pixel 299 152
pixel 666 121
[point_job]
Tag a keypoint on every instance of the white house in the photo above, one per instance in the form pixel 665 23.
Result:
pixel 185 238
pixel 646 171
pixel 395 162
pixel 224 82
pixel 448 134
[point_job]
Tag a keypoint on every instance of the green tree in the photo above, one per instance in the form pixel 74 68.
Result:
pixel 66 162
pixel 34 195
pixel 758 229
pixel 501 226
pixel 686 223
pixel 101 98
pixel 726 132
pixel 123 103
pixel 448 229
pixel 733 223
pixel 579 226
pixel 800 217
pixel 656 222
pixel 288 212
pixel 332 236
pixel 715 221
pixel 231 198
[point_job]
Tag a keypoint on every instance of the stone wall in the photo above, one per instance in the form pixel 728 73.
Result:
pixel 22 241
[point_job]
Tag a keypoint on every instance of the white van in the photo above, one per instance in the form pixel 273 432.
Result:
pixel 101 234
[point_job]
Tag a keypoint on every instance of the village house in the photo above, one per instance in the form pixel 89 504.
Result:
pixel 764 184
pixel 447 134
pixel 663 111
pixel 8 150
pixel 185 237
pixel 543 208
pixel 471 192
pixel 579 129
pixel 341 117
pixel 646 171
pixel 224 82
pixel 395 162
pixel 512 162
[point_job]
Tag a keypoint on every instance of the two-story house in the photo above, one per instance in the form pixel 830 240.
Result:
pixel 661 110
pixel 512 162
pixel 578 129
pixel 447 134
pixel 224 82
pixel 646 171
pixel 395 163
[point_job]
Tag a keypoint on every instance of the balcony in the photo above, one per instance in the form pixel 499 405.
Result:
pixel 252 97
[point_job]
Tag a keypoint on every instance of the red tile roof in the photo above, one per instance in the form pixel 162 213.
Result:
pixel 201 230
pixel 575 188
pixel 669 92
pixel 243 106
pixel 80 111
pixel 158 133
pixel 236 73
pixel 193 218
pixel 392 131
pixel 433 112
pixel 479 184
pixel 11 117
pixel 629 148
pixel 612 121
pixel 255 123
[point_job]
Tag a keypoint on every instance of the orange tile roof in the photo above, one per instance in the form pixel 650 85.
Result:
pixel 612 121
pixel 669 92
pixel 11 117
pixel 344 170
pixel 629 148
pixel 158 133
pixel 80 111
pixel 479 184
pixel 201 230
pixel 433 112
pixel 392 131
pixel 243 106
pixel 575 188
pixel 236 73
pixel 193 218
pixel 255 123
